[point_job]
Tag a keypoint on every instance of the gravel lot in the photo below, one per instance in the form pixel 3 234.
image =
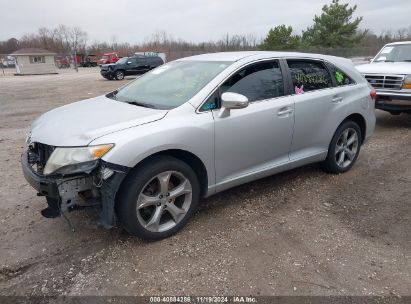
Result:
pixel 303 232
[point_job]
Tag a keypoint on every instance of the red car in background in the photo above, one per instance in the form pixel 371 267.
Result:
pixel 109 58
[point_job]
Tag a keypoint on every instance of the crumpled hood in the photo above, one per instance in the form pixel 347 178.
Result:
pixel 79 123
pixel 401 68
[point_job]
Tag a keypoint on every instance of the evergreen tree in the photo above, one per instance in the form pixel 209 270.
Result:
pixel 280 38
pixel 335 27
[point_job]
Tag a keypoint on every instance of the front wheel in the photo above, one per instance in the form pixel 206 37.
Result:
pixel 119 75
pixel 158 198
pixel 344 148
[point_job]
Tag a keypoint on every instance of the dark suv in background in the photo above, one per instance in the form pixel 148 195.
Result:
pixel 130 66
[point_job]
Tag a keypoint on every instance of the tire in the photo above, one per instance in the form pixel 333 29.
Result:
pixel 152 210
pixel 119 75
pixel 341 153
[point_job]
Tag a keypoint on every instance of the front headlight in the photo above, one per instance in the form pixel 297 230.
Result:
pixel 70 156
pixel 407 82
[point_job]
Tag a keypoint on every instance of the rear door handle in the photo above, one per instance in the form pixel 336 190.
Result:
pixel 337 99
pixel 285 112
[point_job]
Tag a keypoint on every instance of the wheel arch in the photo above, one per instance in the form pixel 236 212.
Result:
pixel 360 121
pixel 187 157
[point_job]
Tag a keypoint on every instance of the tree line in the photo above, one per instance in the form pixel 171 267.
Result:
pixel 334 31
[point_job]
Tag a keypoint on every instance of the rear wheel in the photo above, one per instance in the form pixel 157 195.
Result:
pixel 344 148
pixel 158 198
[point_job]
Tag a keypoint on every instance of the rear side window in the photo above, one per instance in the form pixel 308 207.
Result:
pixel 309 75
pixel 157 60
pixel 341 78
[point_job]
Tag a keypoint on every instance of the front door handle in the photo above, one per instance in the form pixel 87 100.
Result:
pixel 285 112
pixel 337 99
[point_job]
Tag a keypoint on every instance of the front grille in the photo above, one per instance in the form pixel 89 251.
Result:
pixel 390 82
pixel 38 156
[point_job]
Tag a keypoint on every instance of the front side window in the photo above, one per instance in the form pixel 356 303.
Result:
pixel 172 84
pixel 309 75
pixel 258 81
pixel 132 60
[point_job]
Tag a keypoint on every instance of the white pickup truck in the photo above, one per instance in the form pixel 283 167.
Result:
pixel 390 74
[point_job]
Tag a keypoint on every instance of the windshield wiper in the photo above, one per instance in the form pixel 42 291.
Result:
pixel 141 104
pixel 407 60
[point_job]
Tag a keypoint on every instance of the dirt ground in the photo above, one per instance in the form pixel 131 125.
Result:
pixel 303 232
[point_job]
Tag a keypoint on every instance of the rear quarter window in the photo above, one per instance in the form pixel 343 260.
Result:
pixel 341 78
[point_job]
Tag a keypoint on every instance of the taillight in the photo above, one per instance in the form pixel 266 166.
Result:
pixel 373 94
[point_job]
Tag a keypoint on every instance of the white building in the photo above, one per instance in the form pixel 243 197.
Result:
pixel 32 61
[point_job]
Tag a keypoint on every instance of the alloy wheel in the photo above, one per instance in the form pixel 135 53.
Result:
pixel 164 201
pixel 346 147
pixel 120 75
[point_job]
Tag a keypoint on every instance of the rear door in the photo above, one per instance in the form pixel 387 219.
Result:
pixel 318 101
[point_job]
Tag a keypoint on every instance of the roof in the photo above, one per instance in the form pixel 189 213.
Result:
pixel 32 51
pixel 254 55
pixel 399 42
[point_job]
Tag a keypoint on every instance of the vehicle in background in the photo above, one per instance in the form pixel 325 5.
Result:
pixel 135 65
pixel 82 60
pixel 153 54
pixel 147 152
pixel 9 62
pixel 390 74
pixel 63 62
pixel 88 61
pixel 109 58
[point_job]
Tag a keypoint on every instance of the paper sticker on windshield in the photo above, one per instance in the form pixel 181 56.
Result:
pixel 387 50
pixel 159 70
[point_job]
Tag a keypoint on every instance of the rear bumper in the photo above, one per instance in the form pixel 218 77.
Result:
pixel 393 101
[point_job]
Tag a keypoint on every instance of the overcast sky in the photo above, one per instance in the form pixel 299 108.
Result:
pixel 193 20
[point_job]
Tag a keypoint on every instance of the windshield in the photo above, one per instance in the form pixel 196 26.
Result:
pixel 122 60
pixel 170 85
pixel 395 53
pixel 106 57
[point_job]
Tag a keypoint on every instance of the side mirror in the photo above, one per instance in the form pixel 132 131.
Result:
pixel 230 100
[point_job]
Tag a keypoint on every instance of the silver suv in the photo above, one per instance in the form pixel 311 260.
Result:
pixel 149 151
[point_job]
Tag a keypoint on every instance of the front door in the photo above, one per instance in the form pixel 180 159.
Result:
pixel 255 140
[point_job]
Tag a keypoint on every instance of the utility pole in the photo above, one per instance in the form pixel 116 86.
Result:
pixel 74 51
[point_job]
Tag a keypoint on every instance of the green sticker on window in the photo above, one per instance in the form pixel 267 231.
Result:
pixel 340 77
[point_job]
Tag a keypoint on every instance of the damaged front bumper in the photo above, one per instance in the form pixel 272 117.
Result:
pixel 69 192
